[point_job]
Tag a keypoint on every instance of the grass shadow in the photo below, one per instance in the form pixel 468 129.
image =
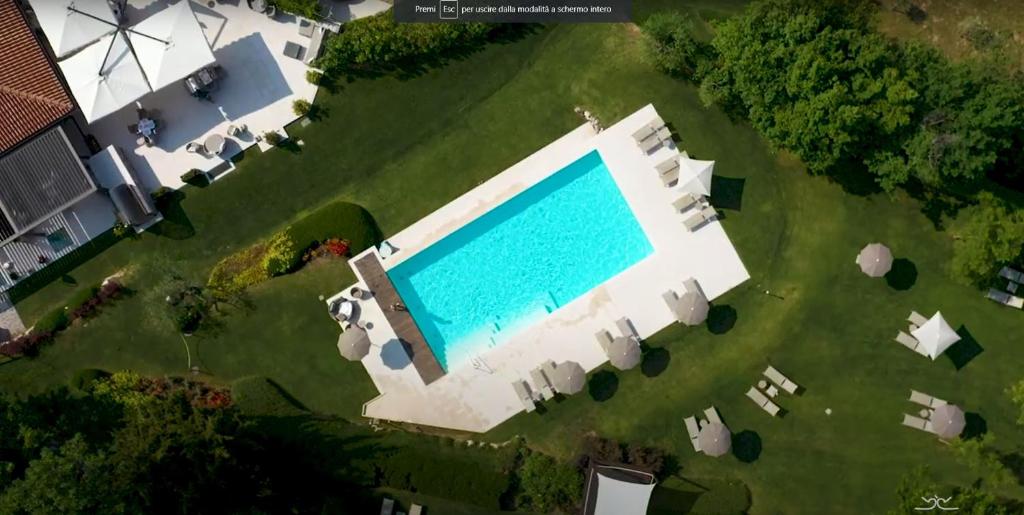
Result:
pixel 655 361
pixel 728 192
pixel 964 351
pixel 603 385
pixel 666 500
pixel 176 224
pixel 974 427
pixel 721 319
pixel 746 446
pixel 903 274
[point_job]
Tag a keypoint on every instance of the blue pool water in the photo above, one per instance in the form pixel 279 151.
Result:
pixel 520 261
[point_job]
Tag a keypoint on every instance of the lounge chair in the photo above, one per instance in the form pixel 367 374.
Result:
pixel 387 506
pixel 415 509
pixel 667 165
pixel 541 385
pixel 626 328
pixel 712 415
pixel 1011 274
pixel 685 202
pixel 925 400
pixel 645 132
pixel 916 422
pixel 648 145
pixel 693 430
pixel 763 402
pixel 548 368
pixel 1005 298
pixel 780 380
pixel 524 395
pixel 911 343
pixel 604 338
pixel 694 221
pixel 917 319
pixel 668 178
pixel 708 213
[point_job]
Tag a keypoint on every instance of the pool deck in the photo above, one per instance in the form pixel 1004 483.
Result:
pixel 477 395
pixel 377 281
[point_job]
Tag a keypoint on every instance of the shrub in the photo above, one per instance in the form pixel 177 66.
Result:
pixel 335 220
pixel 314 77
pixel 991 236
pixel 307 8
pixel 456 473
pixel 273 138
pixel 670 44
pixel 240 270
pixel 546 485
pixel 194 177
pixel 83 380
pixel 52 321
pixel 301 107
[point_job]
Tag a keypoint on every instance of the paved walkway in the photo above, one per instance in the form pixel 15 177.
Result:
pixel 10 321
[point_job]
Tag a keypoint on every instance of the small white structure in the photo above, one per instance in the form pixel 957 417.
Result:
pixel 70 25
pixel 695 175
pixel 936 335
pixel 617 491
pixel 170 45
pixel 104 77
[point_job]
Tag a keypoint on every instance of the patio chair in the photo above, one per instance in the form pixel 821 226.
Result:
pixel 693 430
pixel 604 338
pixel 712 415
pixel 685 202
pixel 648 145
pixel 133 128
pixel 709 213
pixel 917 319
pixel 626 328
pixel 780 380
pixel 141 113
pixel 645 132
pixel 694 221
pixel 415 509
pixel 541 384
pixel 763 402
pixel 667 165
pixel 1005 298
pixel 908 341
pixel 920 398
pixel 916 422
pixel 668 178
pixel 193 147
pixel 1011 274
pixel 524 395
pixel 387 507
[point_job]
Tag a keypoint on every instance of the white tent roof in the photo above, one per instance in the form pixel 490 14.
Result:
pixel 695 175
pixel 615 497
pixel 936 335
pixel 104 77
pixel 68 30
pixel 170 45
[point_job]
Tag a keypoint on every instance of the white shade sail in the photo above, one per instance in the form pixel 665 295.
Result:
pixel 936 335
pixel 104 77
pixel 170 45
pixel 695 175
pixel 617 497
pixel 70 25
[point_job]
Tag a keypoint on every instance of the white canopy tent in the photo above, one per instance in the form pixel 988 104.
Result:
pixel 616 497
pixel 71 25
pixel 104 77
pixel 695 175
pixel 170 45
pixel 936 335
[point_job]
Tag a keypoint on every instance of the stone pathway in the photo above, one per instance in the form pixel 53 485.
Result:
pixel 10 321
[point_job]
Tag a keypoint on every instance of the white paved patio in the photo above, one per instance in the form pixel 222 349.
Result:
pixel 259 86
pixel 478 395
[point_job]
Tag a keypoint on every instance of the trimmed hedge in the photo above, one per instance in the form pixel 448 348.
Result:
pixel 83 380
pixel 443 474
pixel 307 8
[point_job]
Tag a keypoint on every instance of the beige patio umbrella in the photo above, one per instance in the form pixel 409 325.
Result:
pixel 875 260
pixel 692 307
pixel 354 344
pixel 948 421
pixel 714 439
pixel 624 353
pixel 569 378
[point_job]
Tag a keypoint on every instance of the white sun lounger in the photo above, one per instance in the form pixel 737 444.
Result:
pixel 693 430
pixel 667 165
pixel 1005 298
pixel 915 422
pixel 415 509
pixel 763 402
pixel 662 136
pixel 1011 274
pixel 694 221
pixel 911 343
pixel 917 319
pixel 685 202
pixel 626 328
pixel 387 507
pixel 604 338
pixel 524 395
pixel 925 400
pixel 541 384
pixel 709 213
pixel 645 132
pixel 780 380
pixel 712 415
pixel 668 178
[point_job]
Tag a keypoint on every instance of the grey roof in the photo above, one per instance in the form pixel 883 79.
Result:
pixel 875 260
pixel 714 439
pixel 624 353
pixel 40 178
pixel 569 378
pixel 948 421
pixel 354 344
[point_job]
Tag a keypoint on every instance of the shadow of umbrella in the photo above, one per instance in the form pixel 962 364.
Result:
pixel 395 355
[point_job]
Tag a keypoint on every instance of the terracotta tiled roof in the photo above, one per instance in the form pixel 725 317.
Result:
pixel 31 94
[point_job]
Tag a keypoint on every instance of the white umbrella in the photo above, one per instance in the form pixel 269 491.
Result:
pixel 569 378
pixel 936 335
pixel 354 344
pixel 70 25
pixel 875 260
pixel 104 77
pixel 624 353
pixel 170 45
pixel 948 421
pixel 714 439
pixel 695 175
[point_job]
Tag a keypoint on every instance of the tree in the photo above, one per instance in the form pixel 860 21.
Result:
pixel 981 456
pixel 1016 393
pixel 915 488
pixel 992 235
pixel 72 479
pixel 546 485
pixel 670 44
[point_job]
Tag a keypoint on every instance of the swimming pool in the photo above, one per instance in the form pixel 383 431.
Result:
pixel 520 261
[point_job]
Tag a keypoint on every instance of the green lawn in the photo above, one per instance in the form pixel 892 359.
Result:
pixel 403 148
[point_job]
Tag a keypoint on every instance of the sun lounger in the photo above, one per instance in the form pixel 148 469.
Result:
pixel 548 367
pixel 917 319
pixel 911 343
pixel 916 422
pixel 387 506
pixel 524 395
pixel 694 221
pixel 708 213
pixel 415 509
pixel 780 380
pixel 763 402
pixel 668 178
pixel 1005 298
pixel 667 165
pixel 651 143
pixel 692 429
pixel 541 385
pixel 712 415
pixel 685 202
pixel 626 328
pixel 925 400
pixel 1011 274
pixel 645 132
pixel 604 338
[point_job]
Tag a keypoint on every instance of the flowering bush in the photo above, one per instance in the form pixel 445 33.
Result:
pixel 332 247
pixel 130 389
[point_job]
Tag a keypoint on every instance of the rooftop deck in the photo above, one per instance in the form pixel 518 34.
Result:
pixel 377 281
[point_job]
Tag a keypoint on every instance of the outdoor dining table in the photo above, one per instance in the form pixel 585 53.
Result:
pixel 214 144
pixel 925 413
